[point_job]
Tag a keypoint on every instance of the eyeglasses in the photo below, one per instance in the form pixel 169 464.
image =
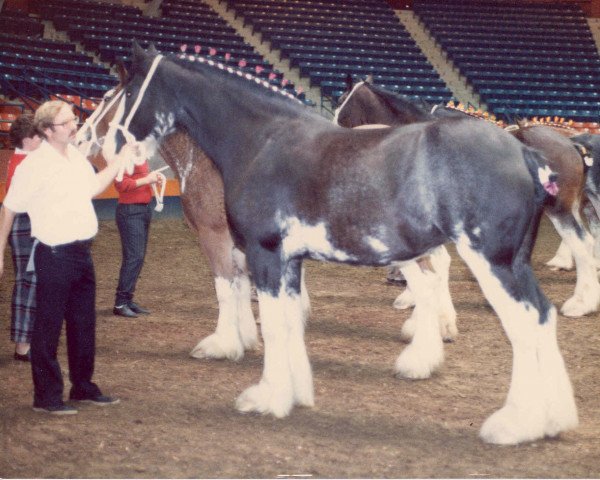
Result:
pixel 66 122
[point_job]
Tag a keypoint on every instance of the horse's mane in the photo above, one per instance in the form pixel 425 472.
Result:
pixel 476 113
pixel 566 127
pixel 399 102
pixel 244 80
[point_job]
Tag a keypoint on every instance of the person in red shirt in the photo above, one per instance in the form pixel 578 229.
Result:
pixel 25 139
pixel 133 216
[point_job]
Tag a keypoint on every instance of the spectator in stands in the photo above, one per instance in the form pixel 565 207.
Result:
pixel 133 216
pixel 24 139
pixel 55 185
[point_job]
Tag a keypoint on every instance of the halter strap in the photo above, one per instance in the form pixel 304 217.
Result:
pixel 94 119
pixel 124 129
pixel 142 91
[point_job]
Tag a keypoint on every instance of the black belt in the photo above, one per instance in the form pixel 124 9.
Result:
pixel 77 245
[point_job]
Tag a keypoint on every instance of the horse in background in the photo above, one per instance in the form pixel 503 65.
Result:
pixel 368 103
pixel 297 186
pixel 202 201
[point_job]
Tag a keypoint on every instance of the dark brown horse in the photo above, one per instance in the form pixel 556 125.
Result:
pixel 297 186
pixel 366 103
pixel 202 200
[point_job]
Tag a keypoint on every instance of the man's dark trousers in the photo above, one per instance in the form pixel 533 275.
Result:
pixel 66 289
pixel 133 221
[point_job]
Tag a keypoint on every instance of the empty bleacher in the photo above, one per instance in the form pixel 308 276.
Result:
pixel 523 59
pixel 327 40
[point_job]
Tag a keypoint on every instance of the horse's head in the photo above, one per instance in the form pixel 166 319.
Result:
pixel 141 115
pixel 367 104
pixel 90 136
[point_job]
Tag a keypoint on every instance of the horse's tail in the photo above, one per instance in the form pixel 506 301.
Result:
pixel 544 179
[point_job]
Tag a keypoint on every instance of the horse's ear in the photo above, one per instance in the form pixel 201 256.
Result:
pixel 138 56
pixel 152 49
pixel 369 79
pixel 349 82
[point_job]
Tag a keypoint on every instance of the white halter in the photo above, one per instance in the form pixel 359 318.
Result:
pixel 125 127
pixel 94 119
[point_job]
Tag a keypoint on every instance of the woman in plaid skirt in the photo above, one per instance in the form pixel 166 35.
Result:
pixel 25 139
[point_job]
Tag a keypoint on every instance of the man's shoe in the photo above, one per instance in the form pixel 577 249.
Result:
pixel 137 309
pixel 124 311
pixel 23 357
pixel 57 410
pixel 100 400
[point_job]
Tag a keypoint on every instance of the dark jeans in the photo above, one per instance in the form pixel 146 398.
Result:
pixel 133 222
pixel 66 289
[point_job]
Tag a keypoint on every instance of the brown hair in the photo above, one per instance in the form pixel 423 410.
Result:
pixel 45 115
pixel 23 127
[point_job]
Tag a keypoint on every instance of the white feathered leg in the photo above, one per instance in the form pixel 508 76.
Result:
pixel 247 324
pixel 533 404
pixel 306 307
pixel 440 260
pixel 225 342
pixel 287 375
pixel 247 329
pixel 405 300
pixel 586 297
pixel 426 351
pixel 563 259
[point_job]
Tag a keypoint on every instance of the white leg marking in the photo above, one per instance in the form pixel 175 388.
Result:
pixel 225 342
pixel 287 375
pixel 440 259
pixel 306 307
pixel 563 259
pixel 405 300
pixel 247 324
pixel 426 351
pixel 560 401
pixel 586 297
pixel 532 405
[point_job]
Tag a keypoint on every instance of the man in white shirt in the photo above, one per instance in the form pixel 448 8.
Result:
pixel 55 186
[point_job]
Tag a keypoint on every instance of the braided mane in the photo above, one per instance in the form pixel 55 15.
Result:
pixel 472 112
pixel 199 59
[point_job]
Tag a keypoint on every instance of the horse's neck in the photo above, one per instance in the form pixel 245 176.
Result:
pixel 227 123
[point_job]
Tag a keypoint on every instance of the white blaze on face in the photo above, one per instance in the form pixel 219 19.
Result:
pixel 300 237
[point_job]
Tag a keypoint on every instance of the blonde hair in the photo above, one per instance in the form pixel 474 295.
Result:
pixel 45 115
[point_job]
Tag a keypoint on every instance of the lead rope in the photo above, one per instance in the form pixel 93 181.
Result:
pixel 160 195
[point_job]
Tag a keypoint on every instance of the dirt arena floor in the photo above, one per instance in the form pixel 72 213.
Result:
pixel 176 418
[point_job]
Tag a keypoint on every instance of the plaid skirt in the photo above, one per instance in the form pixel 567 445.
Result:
pixel 23 297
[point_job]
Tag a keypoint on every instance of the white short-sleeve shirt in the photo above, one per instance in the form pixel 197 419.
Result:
pixel 56 192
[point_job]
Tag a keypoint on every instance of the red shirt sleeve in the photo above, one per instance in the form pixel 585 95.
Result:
pixel 129 192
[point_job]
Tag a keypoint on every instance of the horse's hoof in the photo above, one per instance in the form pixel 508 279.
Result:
pixel 404 300
pixel 213 347
pixel 509 427
pixel 576 307
pixel 264 400
pixel 559 264
pixel 417 365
